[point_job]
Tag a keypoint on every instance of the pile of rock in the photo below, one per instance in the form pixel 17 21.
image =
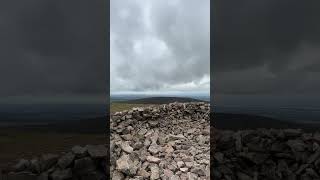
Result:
pixel 266 154
pixel 169 141
pixel 82 163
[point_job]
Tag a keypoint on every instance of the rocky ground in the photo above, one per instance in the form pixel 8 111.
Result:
pixel 169 141
pixel 260 154
pixel 81 163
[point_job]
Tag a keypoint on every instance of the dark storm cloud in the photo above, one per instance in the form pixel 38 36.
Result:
pixel 266 47
pixel 52 47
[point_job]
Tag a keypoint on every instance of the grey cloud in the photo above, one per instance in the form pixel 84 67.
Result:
pixel 52 47
pixel 266 47
pixel 157 45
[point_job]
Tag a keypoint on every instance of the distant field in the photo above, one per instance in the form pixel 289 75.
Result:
pixel 121 106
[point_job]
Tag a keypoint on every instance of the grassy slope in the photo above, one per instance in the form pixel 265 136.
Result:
pixel 120 106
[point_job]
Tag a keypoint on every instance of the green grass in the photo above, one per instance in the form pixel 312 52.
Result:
pixel 118 106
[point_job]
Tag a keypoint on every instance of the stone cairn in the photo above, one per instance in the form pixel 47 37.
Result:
pixel 169 142
pixel 82 163
pixel 266 154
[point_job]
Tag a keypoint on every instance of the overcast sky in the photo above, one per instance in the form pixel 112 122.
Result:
pixel 160 46
pixel 267 47
pixel 52 48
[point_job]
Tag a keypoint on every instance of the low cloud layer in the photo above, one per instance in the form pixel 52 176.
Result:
pixel 160 45
pixel 50 48
pixel 266 47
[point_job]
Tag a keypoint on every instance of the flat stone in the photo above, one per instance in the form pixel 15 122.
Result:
pixel 172 137
pixel 153 159
pixel 184 169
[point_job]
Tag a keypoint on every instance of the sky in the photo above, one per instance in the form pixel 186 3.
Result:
pixel 266 49
pixel 52 49
pixel 159 46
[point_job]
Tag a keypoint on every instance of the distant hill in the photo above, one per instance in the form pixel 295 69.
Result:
pixel 160 100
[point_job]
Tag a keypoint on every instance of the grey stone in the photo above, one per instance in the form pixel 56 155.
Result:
pixel 35 165
pixel 153 159
pixel 126 165
pixel 79 151
pixel 66 160
pixel 154 149
pixel 155 172
pixel 61 174
pixel 175 177
pixel 126 147
pixel 48 160
pixel 97 151
pixel 117 175
pixel 22 165
pixel 83 166
pixel 296 145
